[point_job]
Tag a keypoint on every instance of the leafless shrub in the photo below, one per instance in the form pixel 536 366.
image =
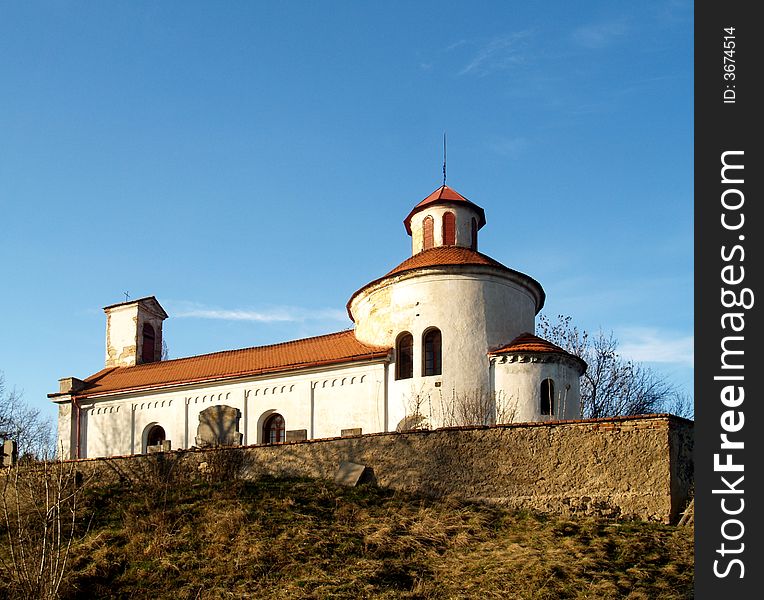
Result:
pixel 40 506
pixel 222 464
pixel 473 407
pixel 478 407
pixel 418 412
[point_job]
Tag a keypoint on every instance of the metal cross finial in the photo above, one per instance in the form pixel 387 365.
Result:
pixel 127 296
pixel 444 158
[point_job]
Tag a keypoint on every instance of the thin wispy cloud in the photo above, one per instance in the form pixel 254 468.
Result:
pixel 643 344
pixel 498 54
pixel 511 147
pixel 600 35
pixel 277 314
pixel 454 45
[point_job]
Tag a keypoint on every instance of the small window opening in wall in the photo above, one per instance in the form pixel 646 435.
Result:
pixel 547 397
pixel 473 243
pixel 449 229
pixel 433 357
pixel 155 436
pixel 428 227
pixel 147 353
pixel 274 429
pixel 404 357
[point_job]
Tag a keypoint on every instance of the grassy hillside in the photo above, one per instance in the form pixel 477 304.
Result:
pixel 281 538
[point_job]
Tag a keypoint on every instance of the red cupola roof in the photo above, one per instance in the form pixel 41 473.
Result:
pixel 444 195
pixel 527 343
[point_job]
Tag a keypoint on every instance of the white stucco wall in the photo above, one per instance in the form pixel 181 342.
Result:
pixel 323 402
pixel 352 399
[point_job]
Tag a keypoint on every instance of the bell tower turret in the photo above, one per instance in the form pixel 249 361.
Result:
pixel 444 218
pixel 134 332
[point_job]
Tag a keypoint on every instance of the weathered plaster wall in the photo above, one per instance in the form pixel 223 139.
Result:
pixel 124 333
pixel 623 467
pixel 415 303
pixel 483 311
pixel 500 309
pixel 122 336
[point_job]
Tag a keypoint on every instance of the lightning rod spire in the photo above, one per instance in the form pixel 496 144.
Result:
pixel 444 158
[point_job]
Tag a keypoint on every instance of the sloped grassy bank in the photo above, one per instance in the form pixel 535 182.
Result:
pixel 299 538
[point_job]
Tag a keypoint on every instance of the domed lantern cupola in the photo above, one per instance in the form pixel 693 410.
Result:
pixel 444 218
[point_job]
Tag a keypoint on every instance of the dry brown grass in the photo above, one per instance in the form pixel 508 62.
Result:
pixel 310 539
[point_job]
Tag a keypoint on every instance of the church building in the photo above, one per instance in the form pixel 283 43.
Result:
pixel 445 338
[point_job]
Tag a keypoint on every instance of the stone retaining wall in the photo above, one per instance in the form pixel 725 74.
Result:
pixel 627 467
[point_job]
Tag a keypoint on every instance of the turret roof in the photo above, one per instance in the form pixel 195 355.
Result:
pixel 444 195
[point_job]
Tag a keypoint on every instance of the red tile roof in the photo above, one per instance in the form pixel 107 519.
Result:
pixel 529 343
pixel 444 195
pixel 452 255
pixel 445 255
pixel 333 348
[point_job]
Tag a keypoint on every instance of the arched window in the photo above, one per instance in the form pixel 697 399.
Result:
pixel 547 397
pixel 155 436
pixel 274 429
pixel 428 226
pixel 433 357
pixel 474 234
pixel 449 229
pixel 404 356
pixel 147 353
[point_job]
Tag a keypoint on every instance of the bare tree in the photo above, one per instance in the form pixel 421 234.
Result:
pixel 24 424
pixel 612 385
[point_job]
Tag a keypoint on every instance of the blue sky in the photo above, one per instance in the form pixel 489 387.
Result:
pixel 250 165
